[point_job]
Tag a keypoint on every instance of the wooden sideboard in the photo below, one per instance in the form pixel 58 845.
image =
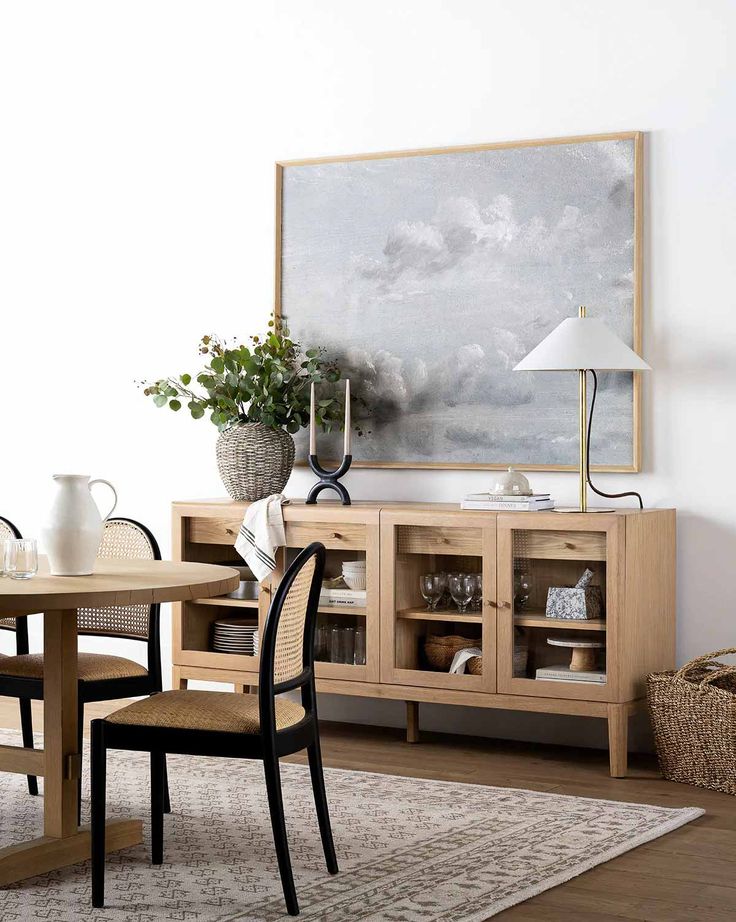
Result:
pixel 631 553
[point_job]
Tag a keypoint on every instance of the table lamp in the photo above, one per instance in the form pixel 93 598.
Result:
pixel 584 344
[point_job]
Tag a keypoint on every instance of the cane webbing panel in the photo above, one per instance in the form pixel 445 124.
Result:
pixel 120 541
pixel 5 532
pixel 92 667
pixel 222 712
pixel 289 654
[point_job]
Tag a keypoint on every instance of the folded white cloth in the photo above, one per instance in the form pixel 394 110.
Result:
pixel 261 534
pixel 461 657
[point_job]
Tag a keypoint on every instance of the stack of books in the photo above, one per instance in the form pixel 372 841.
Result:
pixel 537 502
pixel 343 597
pixel 564 674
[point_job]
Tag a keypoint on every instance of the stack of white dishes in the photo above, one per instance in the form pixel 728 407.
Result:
pixel 236 635
pixel 353 574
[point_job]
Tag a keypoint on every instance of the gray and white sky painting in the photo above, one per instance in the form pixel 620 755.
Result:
pixel 430 276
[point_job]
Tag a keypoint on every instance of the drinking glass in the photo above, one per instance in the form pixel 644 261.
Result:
pixel 20 559
pixel 347 647
pixel 360 645
pixel 429 585
pixel 477 591
pixel 322 643
pixel 461 590
pixel 522 589
pixel 335 644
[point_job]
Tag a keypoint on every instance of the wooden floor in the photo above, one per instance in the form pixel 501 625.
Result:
pixel 685 876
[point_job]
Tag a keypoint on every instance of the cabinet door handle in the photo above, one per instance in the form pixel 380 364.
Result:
pixel 505 604
pixel 229 531
pixel 336 534
pixel 492 603
pixel 569 545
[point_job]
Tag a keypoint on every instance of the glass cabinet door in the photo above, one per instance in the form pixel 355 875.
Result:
pixel 347 631
pixel 557 603
pixel 438 575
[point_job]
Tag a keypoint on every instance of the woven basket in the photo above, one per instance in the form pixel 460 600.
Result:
pixel 521 655
pixel 254 461
pixel 440 652
pixel 693 713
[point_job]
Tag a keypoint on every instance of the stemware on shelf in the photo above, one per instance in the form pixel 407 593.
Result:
pixel 462 586
pixel 432 590
pixel 477 600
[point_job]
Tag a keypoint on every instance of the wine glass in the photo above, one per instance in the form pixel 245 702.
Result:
pixel 477 592
pixel 461 589
pixel 522 589
pixel 429 586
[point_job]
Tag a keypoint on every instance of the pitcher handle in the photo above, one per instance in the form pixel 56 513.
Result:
pixel 114 493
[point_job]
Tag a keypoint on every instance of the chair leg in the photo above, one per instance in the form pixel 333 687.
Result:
pixel 80 750
pixel 26 726
pixel 167 800
pixel 158 780
pixel 98 775
pixel 320 802
pixel 278 824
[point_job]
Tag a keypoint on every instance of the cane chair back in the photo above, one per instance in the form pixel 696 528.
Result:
pixel 7 531
pixel 122 539
pixel 287 650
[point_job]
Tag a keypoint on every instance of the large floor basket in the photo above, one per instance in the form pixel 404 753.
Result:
pixel 693 713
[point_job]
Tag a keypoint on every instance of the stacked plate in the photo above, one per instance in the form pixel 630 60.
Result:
pixel 353 574
pixel 236 635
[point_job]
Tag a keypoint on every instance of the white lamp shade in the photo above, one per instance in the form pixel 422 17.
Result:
pixel 582 343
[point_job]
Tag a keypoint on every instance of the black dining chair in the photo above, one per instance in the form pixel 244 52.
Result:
pixel 206 723
pixel 102 677
pixel 19 626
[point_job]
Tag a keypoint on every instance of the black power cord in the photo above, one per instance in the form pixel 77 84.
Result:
pixel 587 453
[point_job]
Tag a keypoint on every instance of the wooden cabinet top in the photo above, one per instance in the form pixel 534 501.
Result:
pixel 218 506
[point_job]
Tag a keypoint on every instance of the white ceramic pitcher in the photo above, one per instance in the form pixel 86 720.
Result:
pixel 73 532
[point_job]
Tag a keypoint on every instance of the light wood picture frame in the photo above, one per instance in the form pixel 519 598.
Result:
pixel 429 273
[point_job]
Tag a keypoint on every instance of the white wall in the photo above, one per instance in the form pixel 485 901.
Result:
pixel 136 213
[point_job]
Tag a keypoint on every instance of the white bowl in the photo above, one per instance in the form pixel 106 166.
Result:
pixel 354 581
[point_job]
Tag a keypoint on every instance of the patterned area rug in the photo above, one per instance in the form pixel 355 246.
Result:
pixel 409 850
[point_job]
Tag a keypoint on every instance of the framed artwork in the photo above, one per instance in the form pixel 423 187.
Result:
pixel 428 274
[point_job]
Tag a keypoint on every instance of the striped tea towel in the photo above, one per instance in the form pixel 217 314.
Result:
pixel 261 534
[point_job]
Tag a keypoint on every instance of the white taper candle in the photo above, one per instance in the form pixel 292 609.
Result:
pixel 346 449
pixel 312 424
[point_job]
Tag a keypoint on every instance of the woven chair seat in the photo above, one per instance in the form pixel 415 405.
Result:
pixel 220 712
pixel 92 667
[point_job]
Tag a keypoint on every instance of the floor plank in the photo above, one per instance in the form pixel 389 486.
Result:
pixel 689 874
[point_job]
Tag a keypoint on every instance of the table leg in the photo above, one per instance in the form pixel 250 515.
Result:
pixel 63 762
pixel 62 843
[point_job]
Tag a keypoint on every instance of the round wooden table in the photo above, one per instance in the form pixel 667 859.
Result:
pixel 114 582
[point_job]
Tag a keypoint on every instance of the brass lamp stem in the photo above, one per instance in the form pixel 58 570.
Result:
pixel 583 425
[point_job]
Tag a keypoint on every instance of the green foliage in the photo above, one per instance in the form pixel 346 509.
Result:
pixel 265 382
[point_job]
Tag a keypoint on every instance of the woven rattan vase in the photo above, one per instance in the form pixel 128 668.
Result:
pixel 254 461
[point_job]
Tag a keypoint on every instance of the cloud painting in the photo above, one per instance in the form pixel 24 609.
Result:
pixel 430 276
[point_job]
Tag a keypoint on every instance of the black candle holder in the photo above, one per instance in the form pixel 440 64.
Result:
pixel 329 480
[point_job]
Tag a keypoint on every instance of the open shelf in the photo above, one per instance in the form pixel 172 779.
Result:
pixel 421 614
pixel 341 610
pixel 226 602
pixel 538 619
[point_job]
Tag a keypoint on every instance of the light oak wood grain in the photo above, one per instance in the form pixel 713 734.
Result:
pixel 630 552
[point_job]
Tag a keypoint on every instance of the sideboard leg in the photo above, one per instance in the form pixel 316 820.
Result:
pixel 618 738
pixel 176 680
pixel 240 689
pixel 412 721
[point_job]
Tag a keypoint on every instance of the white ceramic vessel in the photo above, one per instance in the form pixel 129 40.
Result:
pixel 73 532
